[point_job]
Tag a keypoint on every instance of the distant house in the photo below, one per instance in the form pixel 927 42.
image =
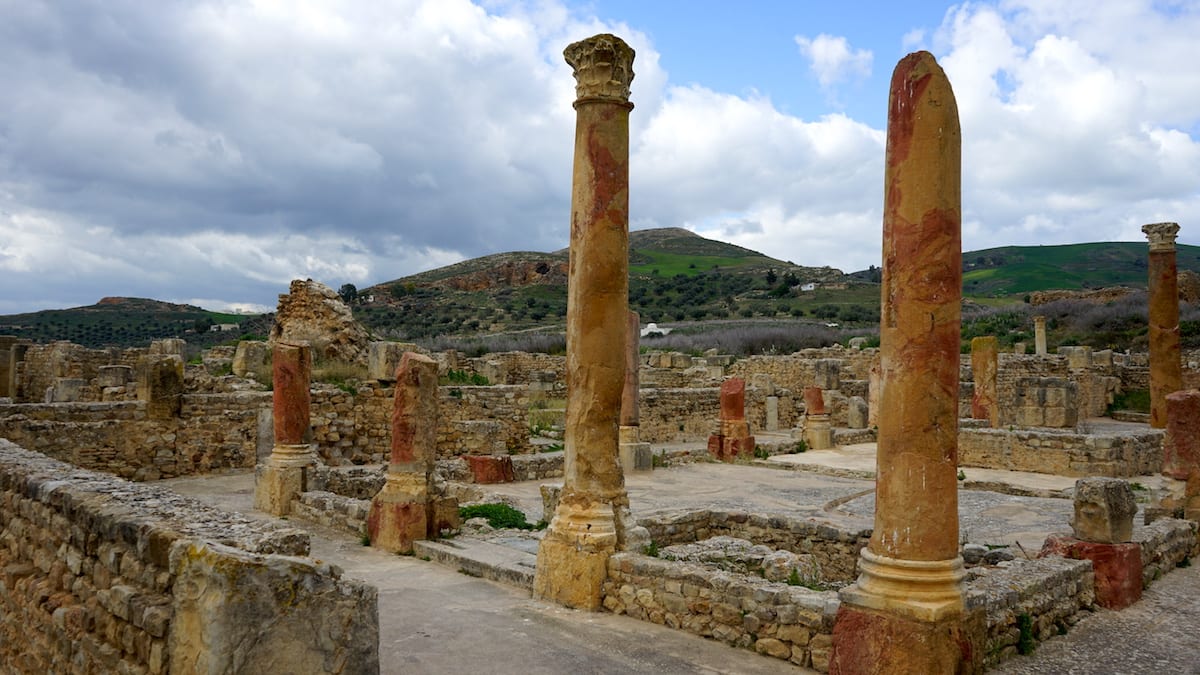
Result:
pixel 652 328
pixel 808 287
pixel 222 327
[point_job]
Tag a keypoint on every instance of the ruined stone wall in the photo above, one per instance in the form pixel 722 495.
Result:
pixel 518 367
pixel 1066 453
pixel 689 414
pixel 1053 594
pixel 44 364
pixel 106 576
pixel 214 432
pixel 787 622
pixel 835 550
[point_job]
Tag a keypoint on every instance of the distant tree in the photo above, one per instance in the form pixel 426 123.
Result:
pixel 348 293
pixel 772 277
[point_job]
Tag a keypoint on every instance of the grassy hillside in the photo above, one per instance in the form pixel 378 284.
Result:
pixel 128 322
pixel 1017 270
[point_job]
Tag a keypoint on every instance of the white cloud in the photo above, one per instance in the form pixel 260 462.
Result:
pixel 832 59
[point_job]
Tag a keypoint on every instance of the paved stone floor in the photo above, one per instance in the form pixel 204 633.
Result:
pixel 436 620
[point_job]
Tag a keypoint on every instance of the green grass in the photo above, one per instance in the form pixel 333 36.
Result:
pixel 499 516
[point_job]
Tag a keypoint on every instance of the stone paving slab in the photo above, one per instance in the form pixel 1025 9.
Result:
pixel 497 562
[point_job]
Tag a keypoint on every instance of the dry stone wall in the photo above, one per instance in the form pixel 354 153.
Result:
pixel 101 575
pixel 1066 453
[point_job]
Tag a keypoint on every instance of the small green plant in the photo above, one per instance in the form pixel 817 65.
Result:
pixel 962 475
pixel 794 578
pixel 1138 487
pixel 366 539
pixel 657 461
pixel 463 377
pixel 801 446
pixel 553 447
pixel 651 549
pixel 1186 562
pixel 1025 641
pixel 499 516
pixel 456 393
pixel 761 452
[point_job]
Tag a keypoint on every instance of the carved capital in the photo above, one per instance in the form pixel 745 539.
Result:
pixel 1161 236
pixel 603 68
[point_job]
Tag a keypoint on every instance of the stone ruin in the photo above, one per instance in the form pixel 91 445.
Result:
pixel 864 597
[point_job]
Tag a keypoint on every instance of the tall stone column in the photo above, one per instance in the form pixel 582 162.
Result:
pixel 1166 369
pixel 400 510
pixel 905 613
pixel 588 524
pixel 985 362
pixel 1039 335
pixel 635 455
pixel 285 473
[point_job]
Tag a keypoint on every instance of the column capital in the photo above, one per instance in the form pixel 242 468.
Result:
pixel 1161 236
pixel 603 68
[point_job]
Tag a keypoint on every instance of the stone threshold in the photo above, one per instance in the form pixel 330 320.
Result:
pixel 486 560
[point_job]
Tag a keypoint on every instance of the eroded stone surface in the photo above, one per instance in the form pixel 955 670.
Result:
pixel 1104 510
pixel 1181 445
pixel 312 312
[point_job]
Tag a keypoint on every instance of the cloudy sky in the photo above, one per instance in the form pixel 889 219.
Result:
pixel 209 151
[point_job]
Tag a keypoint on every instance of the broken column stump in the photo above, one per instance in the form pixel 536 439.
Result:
pixel 818 430
pixel 906 612
pixel 402 511
pixel 733 437
pixel 284 475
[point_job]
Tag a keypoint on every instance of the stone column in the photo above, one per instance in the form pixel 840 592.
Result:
pixel 905 613
pixel 1039 335
pixel 284 475
pixel 635 455
pixel 985 362
pixel 818 431
pixel 1166 369
pixel 588 524
pixel 400 510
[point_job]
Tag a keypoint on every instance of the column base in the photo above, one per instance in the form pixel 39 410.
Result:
pixel 635 457
pixel 818 432
pixel 572 560
pixel 1117 567
pixel 924 590
pixel 873 642
pixel 282 478
pixel 399 513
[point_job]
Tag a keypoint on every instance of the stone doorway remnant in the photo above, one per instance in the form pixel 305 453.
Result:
pixel 590 520
pixel 905 613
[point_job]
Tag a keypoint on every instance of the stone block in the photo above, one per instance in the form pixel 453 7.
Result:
pixel 276 486
pixel 160 385
pixel 1117 567
pixel 487 469
pixel 550 495
pixel 113 376
pixel 67 390
pixel 1104 510
pixel 869 641
pixel 857 413
pixel 250 356
pixel 1181 444
pixel 237 612
pixel 635 457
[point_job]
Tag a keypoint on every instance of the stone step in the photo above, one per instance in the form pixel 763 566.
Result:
pixel 482 559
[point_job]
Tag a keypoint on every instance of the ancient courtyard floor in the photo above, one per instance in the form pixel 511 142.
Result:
pixel 434 619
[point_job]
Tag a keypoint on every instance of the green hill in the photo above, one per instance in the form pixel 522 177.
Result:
pixel 1014 270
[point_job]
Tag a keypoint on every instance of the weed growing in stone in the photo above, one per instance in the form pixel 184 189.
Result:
pixel 651 549
pixel 499 516
pixel 366 539
pixel 761 452
pixel 961 475
pixel 1025 641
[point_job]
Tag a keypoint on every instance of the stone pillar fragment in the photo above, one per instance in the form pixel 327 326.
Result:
pixel 635 455
pixel 1181 444
pixel 1166 369
pixel 818 430
pixel 589 521
pixel 16 357
pixel 250 356
pixel 1103 529
pixel 400 511
pixel 905 613
pixel 285 474
pixel 985 363
pixel 733 435
pixel 1039 335
pixel 6 343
